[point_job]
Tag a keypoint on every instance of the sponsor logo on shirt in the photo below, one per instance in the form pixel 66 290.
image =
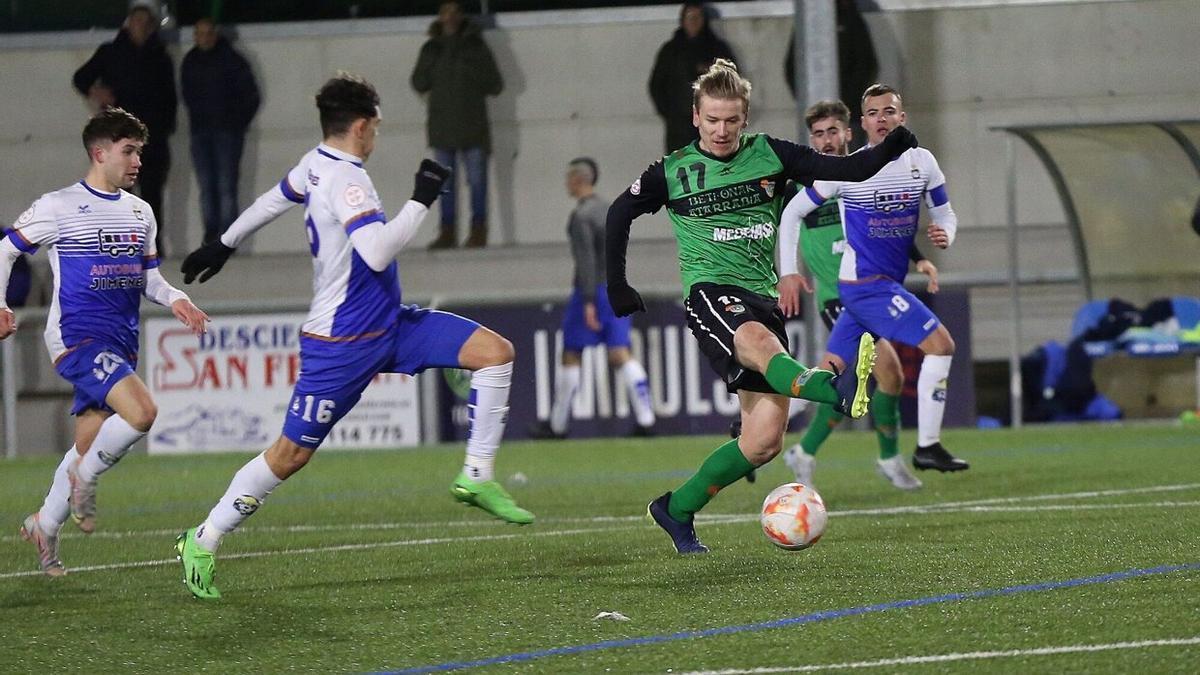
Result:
pixel 117 244
pixel 759 231
pixel 894 201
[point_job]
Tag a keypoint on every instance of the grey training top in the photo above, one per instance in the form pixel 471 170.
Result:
pixel 586 232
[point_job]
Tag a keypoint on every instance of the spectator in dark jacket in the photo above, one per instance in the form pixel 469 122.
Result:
pixel 456 68
pixel 135 72
pixel 222 98
pixel 680 61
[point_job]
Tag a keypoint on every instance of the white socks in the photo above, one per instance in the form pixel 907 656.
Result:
pixel 931 398
pixel 247 491
pixel 564 395
pixel 111 444
pixel 488 413
pixel 57 506
pixel 635 383
pixel 639 392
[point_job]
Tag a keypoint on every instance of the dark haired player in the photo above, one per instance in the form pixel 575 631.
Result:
pixel 357 326
pixel 100 240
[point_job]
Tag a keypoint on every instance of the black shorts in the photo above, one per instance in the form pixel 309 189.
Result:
pixel 830 312
pixel 714 312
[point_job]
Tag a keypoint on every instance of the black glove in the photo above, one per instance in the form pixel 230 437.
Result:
pixel 205 261
pixel 430 178
pixel 899 140
pixel 624 299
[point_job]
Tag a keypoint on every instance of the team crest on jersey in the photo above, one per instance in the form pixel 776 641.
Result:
pixel 137 213
pixel 916 173
pixel 117 244
pixel 768 187
pixel 28 215
pixel 636 188
pixel 313 178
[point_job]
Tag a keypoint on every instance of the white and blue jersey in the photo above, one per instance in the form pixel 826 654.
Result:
pixel 356 327
pixel 100 245
pixel 880 219
pixel 880 215
pixel 350 300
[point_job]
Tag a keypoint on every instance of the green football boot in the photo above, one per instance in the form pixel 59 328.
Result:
pixel 851 383
pixel 199 566
pixel 490 496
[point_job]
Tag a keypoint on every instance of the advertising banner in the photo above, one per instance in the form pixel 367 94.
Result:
pixel 689 397
pixel 230 388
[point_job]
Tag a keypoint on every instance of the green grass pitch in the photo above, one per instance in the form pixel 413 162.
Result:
pixel 363 562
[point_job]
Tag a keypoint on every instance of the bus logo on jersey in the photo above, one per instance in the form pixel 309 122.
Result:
pixel 893 201
pixel 117 244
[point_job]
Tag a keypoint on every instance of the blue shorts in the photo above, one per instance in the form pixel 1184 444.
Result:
pixel 333 375
pixel 614 330
pixel 94 368
pixel 882 308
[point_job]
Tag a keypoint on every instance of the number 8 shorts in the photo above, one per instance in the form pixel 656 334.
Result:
pixel 882 308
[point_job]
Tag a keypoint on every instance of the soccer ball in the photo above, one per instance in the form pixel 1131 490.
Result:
pixel 793 516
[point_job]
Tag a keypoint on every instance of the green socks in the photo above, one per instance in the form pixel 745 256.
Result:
pixel 823 423
pixel 789 377
pixel 725 466
pixel 885 410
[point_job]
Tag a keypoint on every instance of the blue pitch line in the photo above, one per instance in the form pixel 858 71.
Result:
pixel 798 620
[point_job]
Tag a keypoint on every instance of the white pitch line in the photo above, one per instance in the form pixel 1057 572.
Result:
pixel 963 656
pixel 320 549
pixel 936 507
pixel 713 520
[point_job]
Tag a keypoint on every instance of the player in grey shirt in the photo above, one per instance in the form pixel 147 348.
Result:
pixel 589 319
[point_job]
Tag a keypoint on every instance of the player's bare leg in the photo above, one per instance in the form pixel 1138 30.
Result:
pixel 102 439
pixel 489 356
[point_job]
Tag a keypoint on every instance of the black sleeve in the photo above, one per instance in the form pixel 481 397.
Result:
pixel 914 253
pixel 805 165
pixel 90 72
pixel 248 94
pixel 647 195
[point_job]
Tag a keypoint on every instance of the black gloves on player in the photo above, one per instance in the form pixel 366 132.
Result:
pixel 205 261
pixel 900 139
pixel 430 178
pixel 624 299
